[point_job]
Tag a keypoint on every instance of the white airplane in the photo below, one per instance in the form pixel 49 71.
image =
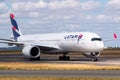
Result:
pixel 90 44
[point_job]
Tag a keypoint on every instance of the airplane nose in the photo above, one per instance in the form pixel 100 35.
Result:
pixel 100 46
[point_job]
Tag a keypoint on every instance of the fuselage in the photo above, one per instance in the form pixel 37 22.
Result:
pixel 71 42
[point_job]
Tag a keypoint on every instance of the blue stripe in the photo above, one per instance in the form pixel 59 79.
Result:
pixel 14 23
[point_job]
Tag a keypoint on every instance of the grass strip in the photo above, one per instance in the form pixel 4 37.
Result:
pixel 54 66
pixel 52 78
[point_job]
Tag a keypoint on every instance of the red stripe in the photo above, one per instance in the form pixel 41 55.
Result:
pixel 12 15
pixel 13 28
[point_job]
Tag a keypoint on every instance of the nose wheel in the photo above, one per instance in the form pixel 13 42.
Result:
pixel 95 56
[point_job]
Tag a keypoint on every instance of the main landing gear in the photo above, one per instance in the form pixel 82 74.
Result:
pixel 64 57
pixel 95 59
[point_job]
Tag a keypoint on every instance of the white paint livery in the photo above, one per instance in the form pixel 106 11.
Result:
pixel 57 40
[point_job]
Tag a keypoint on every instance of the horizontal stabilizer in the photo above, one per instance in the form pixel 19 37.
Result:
pixel 6 39
pixel 12 42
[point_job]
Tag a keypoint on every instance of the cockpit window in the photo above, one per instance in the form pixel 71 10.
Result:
pixel 96 39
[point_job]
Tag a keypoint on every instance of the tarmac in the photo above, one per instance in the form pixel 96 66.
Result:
pixel 63 73
pixel 75 59
pixel 13 57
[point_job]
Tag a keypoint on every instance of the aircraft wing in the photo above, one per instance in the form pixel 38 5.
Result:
pixel 114 38
pixel 50 49
pixel 43 46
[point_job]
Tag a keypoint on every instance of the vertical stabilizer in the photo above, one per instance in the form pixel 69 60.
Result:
pixel 15 28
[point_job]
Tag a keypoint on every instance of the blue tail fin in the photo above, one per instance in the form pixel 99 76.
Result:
pixel 15 28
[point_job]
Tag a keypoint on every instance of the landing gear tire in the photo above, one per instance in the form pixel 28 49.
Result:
pixel 64 57
pixel 35 59
pixel 60 57
pixel 68 57
pixel 95 59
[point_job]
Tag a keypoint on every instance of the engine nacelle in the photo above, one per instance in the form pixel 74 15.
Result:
pixel 31 51
pixel 92 54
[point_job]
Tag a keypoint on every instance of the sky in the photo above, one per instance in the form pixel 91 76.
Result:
pixel 53 16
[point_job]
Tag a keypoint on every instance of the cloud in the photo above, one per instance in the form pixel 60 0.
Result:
pixel 72 27
pixel 104 18
pixel 2 0
pixel 4 22
pixel 4 16
pixel 90 5
pixel 62 4
pixel 117 19
pixel 58 17
pixel 54 5
pixel 28 6
pixel 34 14
pixel 2 6
pixel 113 5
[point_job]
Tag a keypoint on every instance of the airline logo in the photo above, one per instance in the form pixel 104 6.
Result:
pixel 14 26
pixel 78 37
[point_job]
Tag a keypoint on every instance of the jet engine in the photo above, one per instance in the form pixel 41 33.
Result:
pixel 92 55
pixel 31 51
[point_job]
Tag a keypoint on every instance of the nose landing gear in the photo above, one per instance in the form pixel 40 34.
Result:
pixel 95 56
